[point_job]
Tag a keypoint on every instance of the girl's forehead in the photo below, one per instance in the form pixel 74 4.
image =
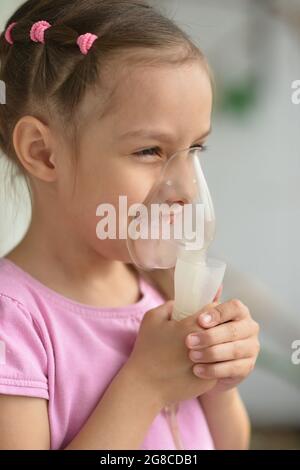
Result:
pixel 156 89
pixel 168 95
pixel 153 94
pixel 148 81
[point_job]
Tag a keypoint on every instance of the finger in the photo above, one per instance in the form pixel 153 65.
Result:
pixel 192 321
pixel 231 310
pixel 242 349
pixel 218 294
pixel 221 370
pixel 231 331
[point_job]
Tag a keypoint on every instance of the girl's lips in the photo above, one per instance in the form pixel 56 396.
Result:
pixel 170 217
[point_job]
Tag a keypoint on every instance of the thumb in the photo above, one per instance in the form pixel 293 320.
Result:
pixel 163 311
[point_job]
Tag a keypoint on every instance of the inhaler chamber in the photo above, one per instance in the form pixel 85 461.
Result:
pixel 177 214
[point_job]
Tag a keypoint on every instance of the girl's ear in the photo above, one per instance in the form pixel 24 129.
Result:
pixel 33 143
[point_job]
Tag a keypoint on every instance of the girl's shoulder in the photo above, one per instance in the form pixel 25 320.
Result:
pixel 23 355
pixel 14 284
pixel 20 288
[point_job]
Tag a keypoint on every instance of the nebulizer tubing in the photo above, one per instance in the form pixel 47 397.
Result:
pixel 196 277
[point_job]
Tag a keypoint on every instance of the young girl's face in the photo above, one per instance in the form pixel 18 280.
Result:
pixel 162 109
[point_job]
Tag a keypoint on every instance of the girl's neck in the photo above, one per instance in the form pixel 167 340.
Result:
pixel 68 266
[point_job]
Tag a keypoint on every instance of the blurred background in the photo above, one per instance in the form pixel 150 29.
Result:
pixel 253 170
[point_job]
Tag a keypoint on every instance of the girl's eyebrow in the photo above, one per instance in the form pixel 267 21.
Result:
pixel 164 136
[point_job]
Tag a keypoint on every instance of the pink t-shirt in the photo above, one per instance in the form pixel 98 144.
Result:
pixel 68 353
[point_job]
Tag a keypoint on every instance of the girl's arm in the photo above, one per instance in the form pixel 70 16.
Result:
pixel 227 419
pixel 24 423
pixel 123 416
pixel 120 420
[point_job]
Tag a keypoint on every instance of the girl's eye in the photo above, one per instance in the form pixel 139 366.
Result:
pixel 155 151
pixel 150 152
pixel 202 147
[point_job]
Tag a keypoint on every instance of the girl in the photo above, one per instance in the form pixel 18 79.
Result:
pixel 99 93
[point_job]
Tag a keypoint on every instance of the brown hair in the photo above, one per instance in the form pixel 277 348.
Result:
pixel 49 80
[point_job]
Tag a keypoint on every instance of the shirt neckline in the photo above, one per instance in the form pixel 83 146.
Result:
pixel 137 307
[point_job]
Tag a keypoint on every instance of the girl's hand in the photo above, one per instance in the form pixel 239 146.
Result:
pixel 159 357
pixel 228 344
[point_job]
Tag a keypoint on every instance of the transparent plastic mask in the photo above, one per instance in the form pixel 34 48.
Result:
pixel 177 212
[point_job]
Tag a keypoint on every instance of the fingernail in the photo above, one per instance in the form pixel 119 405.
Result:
pixel 193 340
pixel 206 317
pixel 196 355
pixel 199 370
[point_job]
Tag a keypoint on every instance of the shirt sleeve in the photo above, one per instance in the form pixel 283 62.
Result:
pixel 23 358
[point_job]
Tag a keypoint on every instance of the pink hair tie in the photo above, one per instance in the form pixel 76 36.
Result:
pixel 8 33
pixel 37 32
pixel 85 42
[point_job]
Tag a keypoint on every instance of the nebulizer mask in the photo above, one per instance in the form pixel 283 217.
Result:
pixel 173 227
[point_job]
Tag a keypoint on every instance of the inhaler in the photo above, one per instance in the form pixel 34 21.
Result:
pixel 174 227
